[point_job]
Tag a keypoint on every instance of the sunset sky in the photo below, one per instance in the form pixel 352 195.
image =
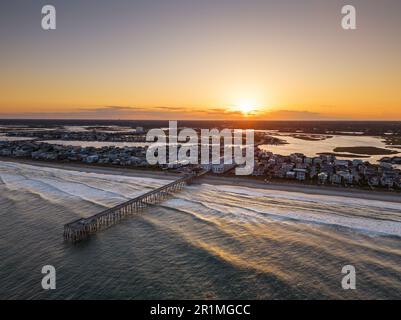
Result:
pixel 204 59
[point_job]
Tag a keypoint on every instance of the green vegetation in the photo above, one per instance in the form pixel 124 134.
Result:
pixel 344 155
pixel 310 137
pixel 372 151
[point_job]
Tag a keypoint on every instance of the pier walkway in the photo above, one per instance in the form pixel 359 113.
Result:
pixel 80 229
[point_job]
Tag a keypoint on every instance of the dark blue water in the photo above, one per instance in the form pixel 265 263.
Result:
pixel 212 242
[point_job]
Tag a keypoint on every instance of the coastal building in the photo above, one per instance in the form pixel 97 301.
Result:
pixel 335 179
pixel 374 181
pixel 357 162
pixel 207 166
pixel 290 175
pixel 259 170
pixel 222 168
pixel 341 163
pixel 92 159
pixel 327 169
pixel 308 160
pixel 312 172
pixel 301 166
pixel 386 165
pixel 300 174
pixel 320 169
pixel 346 177
pixel 322 177
pixel 317 160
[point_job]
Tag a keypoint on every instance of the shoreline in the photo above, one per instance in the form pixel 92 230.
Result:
pixel 220 180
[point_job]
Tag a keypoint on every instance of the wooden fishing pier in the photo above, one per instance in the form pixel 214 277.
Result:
pixel 80 229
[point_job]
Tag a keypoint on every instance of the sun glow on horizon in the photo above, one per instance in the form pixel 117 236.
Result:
pixel 247 107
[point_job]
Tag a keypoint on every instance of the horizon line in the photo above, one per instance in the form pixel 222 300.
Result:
pixel 204 120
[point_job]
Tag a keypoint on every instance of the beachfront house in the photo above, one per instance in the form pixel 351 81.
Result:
pixel 322 177
pixel 317 160
pixel 312 172
pixel 222 168
pixel 92 159
pixel 341 163
pixel 373 181
pixel 290 175
pixel 335 179
pixel 346 177
pixel 300 174
pixel 308 160
pixel 357 162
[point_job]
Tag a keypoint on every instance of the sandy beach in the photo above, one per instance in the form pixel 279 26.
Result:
pixel 222 180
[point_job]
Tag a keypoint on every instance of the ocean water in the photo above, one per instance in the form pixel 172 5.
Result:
pixel 208 241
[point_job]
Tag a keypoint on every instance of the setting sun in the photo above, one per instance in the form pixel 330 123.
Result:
pixel 246 109
pixel 246 106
